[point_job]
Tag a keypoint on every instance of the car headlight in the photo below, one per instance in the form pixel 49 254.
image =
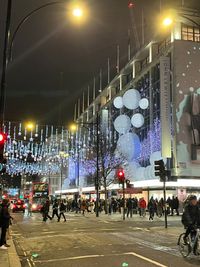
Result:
pixel 34 206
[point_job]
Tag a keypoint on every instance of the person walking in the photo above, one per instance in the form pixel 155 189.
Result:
pixel 151 208
pixel 83 206
pixel 45 211
pixel 55 209
pixel 29 208
pixel 142 206
pixel 175 205
pixel 62 209
pixel 129 205
pixel 4 223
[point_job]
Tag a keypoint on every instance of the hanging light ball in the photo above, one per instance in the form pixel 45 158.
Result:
pixel 122 124
pixel 144 103
pixel 137 120
pixel 131 99
pixel 118 102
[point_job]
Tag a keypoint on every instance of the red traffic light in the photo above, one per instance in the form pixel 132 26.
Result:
pixel 2 138
pixel 120 175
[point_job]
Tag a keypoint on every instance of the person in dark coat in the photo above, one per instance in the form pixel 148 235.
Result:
pixel 62 209
pixel 4 223
pixel 176 205
pixel 151 208
pixel 55 209
pixel 129 205
pixel 191 216
pixel 45 211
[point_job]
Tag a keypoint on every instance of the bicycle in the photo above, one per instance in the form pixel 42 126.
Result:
pixel 192 244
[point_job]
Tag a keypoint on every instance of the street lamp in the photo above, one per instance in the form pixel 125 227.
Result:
pixel 97 124
pixel 61 157
pixel 168 19
pixel 29 126
pixel 77 12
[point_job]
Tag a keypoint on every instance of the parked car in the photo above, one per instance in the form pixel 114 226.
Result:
pixel 18 205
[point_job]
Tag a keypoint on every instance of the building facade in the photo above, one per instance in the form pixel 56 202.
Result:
pixel 166 75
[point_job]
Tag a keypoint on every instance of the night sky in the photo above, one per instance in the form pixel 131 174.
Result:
pixel 54 60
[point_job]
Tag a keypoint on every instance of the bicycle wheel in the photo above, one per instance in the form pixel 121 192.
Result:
pixel 184 248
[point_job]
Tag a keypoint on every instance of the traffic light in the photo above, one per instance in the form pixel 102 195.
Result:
pixel 128 183
pixel 120 175
pixel 3 139
pixel 160 170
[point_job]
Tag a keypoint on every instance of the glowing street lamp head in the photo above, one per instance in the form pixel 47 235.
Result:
pixel 77 12
pixel 30 126
pixel 73 127
pixel 167 21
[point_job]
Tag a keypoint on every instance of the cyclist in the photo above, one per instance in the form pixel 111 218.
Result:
pixel 191 216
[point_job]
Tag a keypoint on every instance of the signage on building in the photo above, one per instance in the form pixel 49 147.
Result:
pixel 165 105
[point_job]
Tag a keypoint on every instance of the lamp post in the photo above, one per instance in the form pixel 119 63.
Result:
pixel 97 124
pixel 61 157
pixel 8 45
pixel 5 62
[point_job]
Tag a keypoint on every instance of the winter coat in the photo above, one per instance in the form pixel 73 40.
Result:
pixel 191 215
pixel 142 204
pixel 4 216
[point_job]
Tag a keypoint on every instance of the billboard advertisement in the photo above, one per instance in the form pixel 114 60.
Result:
pixel 186 100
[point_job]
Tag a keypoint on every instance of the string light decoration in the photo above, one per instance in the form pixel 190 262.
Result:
pixel 35 149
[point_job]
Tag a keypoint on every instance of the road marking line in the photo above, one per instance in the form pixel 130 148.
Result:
pixel 106 222
pixel 145 259
pixel 70 258
pixel 98 256
pixel 29 262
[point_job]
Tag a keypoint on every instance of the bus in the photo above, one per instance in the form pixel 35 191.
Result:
pixel 39 195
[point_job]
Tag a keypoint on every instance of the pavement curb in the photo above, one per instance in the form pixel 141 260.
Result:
pixel 13 256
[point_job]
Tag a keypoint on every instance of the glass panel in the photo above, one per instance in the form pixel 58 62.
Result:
pixel 197 37
pixel 190 29
pixel 190 37
pixel 184 36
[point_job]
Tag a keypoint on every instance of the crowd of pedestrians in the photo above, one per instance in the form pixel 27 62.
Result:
pixel 113 206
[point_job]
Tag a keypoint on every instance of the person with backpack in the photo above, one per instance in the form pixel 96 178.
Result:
pixel 4 223
pixel 62 211
pixel 191 216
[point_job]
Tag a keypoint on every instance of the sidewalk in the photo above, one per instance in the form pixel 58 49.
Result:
pixel 9 257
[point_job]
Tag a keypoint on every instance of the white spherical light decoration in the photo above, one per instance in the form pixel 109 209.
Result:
pixel 137 120
pixel 156 156
pixel 122 124
pixel 129 146
pixel 131 99
pixel 144 103
pixel 118 102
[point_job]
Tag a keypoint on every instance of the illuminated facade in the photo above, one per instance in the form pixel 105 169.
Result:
pixel 167 73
